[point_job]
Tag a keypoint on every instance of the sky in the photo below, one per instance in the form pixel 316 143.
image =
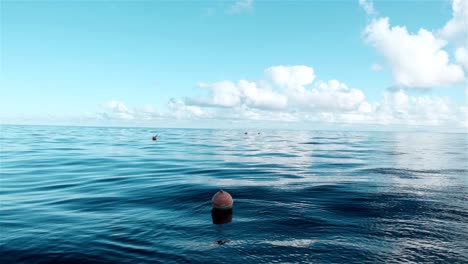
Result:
pixel 244 63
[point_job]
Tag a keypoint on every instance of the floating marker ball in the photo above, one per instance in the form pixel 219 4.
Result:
pixel 222 200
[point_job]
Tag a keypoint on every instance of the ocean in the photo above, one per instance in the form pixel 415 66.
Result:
pixel 113 195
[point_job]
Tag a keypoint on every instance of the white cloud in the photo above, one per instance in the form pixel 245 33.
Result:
pixel 115 106
pixel 461 56
pixel 416 60
pixel 241 6
pixel 368 6
pixel 117 110
pixel 179 110
pixel 457 27
pixel 224 94
pixel 376 67
pixel 292 77
pixel 230 94
pixel 244 112
pixel 261 97
pixel 398 107
pixel 327 96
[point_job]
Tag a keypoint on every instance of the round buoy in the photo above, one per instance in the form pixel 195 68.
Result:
pixel 154 138
pixel 222 200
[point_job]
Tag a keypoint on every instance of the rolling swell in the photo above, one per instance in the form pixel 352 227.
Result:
pixel 111 195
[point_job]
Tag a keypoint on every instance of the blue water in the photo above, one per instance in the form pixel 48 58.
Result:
pixel 112 195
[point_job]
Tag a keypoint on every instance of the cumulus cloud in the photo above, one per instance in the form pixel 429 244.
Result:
pixel 398 107
pixel 368 6
pixel 288 91
pixel 223 94
pixel 457 27
pixel 117 110
pixel 179 110
pixel 293 77
pixel 261 97
pixel 292 80
pixel 461 56
pixel 241 6
pixel 416 60
pixel 231 94
pixel 330 96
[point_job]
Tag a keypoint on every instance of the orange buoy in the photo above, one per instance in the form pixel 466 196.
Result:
pixel 222 200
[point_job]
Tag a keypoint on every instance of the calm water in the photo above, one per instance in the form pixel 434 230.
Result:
pixel 112 195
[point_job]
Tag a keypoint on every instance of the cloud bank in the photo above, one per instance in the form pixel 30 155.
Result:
pixel 291 94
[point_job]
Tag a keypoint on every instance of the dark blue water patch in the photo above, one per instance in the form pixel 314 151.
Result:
pixel 44 257
pixel 229 173
pixel 329 155
pixel 104 256
pixel 315 143
pixel 339 165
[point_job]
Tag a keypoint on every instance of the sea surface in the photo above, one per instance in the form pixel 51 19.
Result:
pixel 112 195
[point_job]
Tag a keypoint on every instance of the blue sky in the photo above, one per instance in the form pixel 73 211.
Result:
pixel 142 62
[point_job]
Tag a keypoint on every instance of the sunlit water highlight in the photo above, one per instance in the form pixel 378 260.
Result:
pixel 112 195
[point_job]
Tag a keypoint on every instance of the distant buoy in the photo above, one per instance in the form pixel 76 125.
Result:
pixel 154 138
pixel 222 200
pixel 245 133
